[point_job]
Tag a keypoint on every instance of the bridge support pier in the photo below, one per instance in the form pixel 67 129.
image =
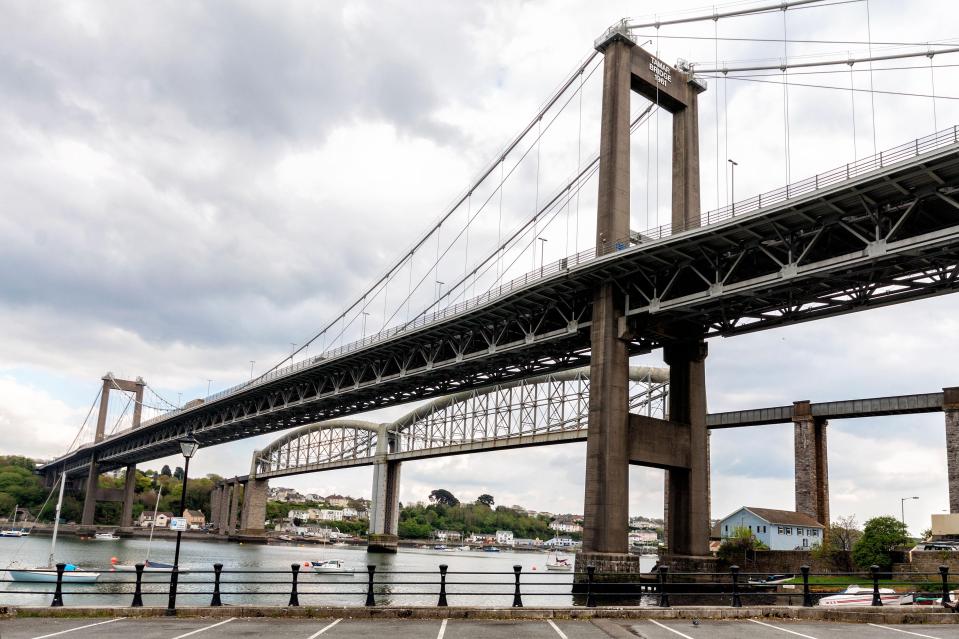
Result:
pixel 129 492
pixel 223 517
pixel 687 511
pixel 90 494
pixel 811 466
pixel 385 509
pixel 253 517
pixel 950 406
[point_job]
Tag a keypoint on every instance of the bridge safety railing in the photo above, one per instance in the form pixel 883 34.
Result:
pixel 370 586
pixel 849 171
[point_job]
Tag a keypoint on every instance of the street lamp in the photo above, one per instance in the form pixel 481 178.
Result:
pixel 188 446
pixel 902 508
pixel 365 315
pixel 439 290
pixel 209 382
pixel 542 249
pixel 252 362
pixel 732 182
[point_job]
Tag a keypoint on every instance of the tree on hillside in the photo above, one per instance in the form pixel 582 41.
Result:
pixel 178 474
pixel 880 536
pixel 165 471
pixel 443 497
pixel 844 532
pixel 485 500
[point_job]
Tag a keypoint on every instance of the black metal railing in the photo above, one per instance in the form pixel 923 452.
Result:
pixel 374 587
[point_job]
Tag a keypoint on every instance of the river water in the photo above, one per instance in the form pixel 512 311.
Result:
pixel 539 587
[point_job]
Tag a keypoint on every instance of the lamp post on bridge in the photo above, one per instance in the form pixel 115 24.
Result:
pixel 188 446
pixel 542 251
pixel 902 508
pixel 365 315
pixel 732 182
pixel 252 362
pixel 209 382
pixel 439 289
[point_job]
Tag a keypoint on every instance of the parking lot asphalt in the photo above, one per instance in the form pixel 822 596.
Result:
pixel 236 628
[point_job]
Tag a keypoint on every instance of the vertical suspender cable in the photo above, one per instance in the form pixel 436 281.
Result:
pixel 539 143
pixel 579 147
pixel 932 79
pixel 716 94
pixel 409 288
pixel 852 98
pixel 726 129
pixel 786 99
pixel 872 95
pixel 466 259
pixel 499 227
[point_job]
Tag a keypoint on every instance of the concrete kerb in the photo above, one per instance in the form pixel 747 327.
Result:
pixel 850 614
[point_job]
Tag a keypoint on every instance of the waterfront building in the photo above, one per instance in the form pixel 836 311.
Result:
pixel 778 529
pixel 337 501
pixel 565 526
pixel 504 537
pixel 163 520
pixel 561 542
pixel 448 536
pixel 194 518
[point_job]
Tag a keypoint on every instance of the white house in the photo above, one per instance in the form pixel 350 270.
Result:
pixel 328 514
pixel 561 542
pixel 778 529
pixel 565 526
pixel 504 537
pixel 163 520
pixel 339 501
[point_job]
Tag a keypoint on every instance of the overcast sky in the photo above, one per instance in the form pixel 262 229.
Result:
pixel 186 187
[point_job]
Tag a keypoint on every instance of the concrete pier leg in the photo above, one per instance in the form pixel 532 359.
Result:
pixel 225 508
pixel 129 492
pixel 90 496
pixel 385 510
pixel 811 466
pixel 233 519
pixel 950 407
pixel 688 492
pixel 253 519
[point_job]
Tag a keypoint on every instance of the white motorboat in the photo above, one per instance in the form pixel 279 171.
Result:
pixel 11 533
pixel 48 573
pixel 555 562
pixel 106 536
pixel 331 565
pixel 148 566
pixel 858 596
pixel 463 548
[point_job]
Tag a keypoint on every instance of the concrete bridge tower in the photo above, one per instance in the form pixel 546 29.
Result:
pixel 385 509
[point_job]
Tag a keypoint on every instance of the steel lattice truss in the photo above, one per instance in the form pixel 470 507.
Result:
pixel 544 410
pixel 880 232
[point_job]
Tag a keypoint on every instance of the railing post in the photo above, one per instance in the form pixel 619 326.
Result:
pixel 370 601
pixel 517 598
pixel 944 573
pixel 876 600
pixel 138 589
pixel 663 595
pixel 174 580
pixel 737 602
pixel 806 595
pixel 217 569
pixel 294 595
pixel 58 593
pixel 590 597
pixel 442 601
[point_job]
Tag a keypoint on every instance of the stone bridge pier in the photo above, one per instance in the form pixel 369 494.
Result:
pixel 385 509
pixel 92 490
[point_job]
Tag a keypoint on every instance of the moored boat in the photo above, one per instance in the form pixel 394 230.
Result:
pixel 858 596
pixel 71 575
pixel 106 536
pixel 331 565
pixel 555 562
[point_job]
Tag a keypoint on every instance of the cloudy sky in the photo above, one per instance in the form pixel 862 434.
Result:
pixel 189 187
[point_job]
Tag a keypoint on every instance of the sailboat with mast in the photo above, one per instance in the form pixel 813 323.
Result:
pixel 48 574
pixel 148 565
pixel 13 531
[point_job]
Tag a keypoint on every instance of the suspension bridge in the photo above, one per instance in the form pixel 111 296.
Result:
pixel 875 230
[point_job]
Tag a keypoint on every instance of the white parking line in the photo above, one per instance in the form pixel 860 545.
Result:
pixel 664 627
pixel 89 625
pixel 193 632
pixel 442 630
pixel 907 632
pixel 792 632
pixel 324 629
pixel 561 634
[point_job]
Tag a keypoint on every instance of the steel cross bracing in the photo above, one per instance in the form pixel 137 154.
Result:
pixel 544 410
pixel 881 231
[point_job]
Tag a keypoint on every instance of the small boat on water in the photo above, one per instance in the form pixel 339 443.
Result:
pixel 11 533
pixel 463 548
pixel 442 547
pixel 490 549
pixel 858 596
pixel 110 536
pixel 148 566
pixel 71 575
pixel 771 580
pixel 331 565
pixel 555 562
pixel 48 574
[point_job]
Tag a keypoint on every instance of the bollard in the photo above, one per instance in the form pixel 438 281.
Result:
pixel 806 595
pixel 294 595
pixel 58 593
pixel 442 601
pixel 876 600
pixel 944 572
pixel 517 598
pixel 369 588
pixel 217 569
pixel 590 599
pixel 138 589
pixel 663 595
pixel 174 580
pixel 737 602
